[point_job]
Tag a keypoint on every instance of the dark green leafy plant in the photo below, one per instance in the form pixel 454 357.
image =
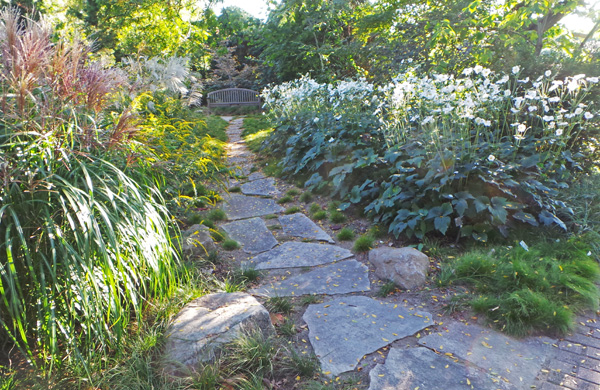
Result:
pixel 502 164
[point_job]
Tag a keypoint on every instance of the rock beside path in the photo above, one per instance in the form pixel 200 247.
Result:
pixel 208 322
pixel 344 330
pixel 197 241
pixel 407 267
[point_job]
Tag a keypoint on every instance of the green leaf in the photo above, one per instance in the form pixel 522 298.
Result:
pixel 355 196
pixel 481 203
pixel 525 217
pixel 442 223
pixel 547 218
pixel 460 206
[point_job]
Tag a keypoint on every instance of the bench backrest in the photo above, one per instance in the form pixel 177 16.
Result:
pixel 232 96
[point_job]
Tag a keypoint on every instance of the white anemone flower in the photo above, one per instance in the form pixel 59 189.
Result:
pixel 503 80
pixel 559 132
pixel 588 115
pixel 516 69
pixel 548 73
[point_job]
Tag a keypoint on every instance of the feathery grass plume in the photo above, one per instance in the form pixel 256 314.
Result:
pixel 84 246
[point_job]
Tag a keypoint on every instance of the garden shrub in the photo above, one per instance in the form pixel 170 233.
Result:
pixel 83 245
pixel 465 155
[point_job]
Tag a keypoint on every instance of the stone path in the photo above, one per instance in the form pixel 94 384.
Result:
pixel 401 345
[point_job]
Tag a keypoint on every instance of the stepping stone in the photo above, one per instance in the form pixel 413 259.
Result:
pixel 208 322
pixel 344 330
pixel 261 187
pixel 339 278
pixel 252 233
pixel 299 225
pixel 238 160
pixel 256 176
pixel 515 361
pixel 421 368
pixel 241 207
pixel 242 170
pixel 299 254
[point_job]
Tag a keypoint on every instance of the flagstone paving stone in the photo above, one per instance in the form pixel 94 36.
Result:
pixel 515 361
pixel 252 234
pixel 299 225
pixel 256 176
pixel 339 278
pixel 345 329
pixel 241 207
pixel 260 187
pixel 421 368
pixel 298 254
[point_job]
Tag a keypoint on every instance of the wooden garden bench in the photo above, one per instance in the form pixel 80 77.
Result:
pixel 232 97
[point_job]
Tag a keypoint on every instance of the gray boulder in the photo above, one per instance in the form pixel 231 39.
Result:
pixel 196 241
pixel 407 267
pixel 206 323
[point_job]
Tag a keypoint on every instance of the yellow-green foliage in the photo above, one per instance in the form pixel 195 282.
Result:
pixel 188 144
pixel 254 141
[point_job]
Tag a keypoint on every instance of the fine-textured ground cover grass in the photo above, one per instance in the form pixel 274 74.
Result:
pixel 363 243
pixel 521 290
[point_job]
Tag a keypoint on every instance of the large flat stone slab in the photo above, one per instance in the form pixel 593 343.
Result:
pixel 256 176
pixel 260 187
pixel 299 225
pixel 252 234
pixel 345 329
pixel 299 254
pixel 208 322
pixel 515 361
pixel 241 207
pixel 421 368
pixel 340 278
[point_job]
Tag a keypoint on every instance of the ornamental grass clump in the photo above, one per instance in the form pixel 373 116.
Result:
pixel 466 155
pixel 524 289
pixel 83 245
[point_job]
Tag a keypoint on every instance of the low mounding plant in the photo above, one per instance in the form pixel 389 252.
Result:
pixel 83 245
pixel 521 290
pixel 464 155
